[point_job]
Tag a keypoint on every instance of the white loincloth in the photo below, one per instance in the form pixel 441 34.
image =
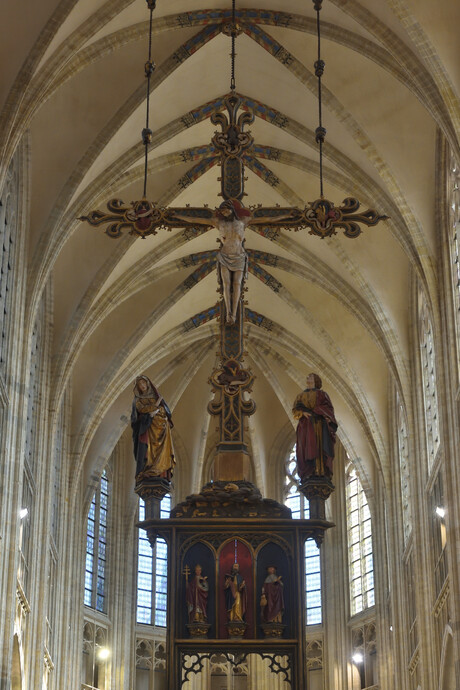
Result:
pixel 234 262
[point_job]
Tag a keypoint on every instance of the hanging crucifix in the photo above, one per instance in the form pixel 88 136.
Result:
pixel 320 217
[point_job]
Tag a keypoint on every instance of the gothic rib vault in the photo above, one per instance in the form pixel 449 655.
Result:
pixel 72 107
pixel 120 308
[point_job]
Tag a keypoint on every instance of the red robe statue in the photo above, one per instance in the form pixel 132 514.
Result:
pixel 197 597
pixel 272 600
pixel 316 430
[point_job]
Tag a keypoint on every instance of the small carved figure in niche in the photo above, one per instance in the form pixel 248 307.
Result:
pixel 151 424
pixel 272 600
pixel 235 594
pixel 197 597
pixel 316 430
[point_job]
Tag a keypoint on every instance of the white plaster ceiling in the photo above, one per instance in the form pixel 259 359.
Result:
pixel 73 85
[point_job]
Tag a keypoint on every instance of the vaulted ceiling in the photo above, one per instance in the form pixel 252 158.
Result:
pixel 73 86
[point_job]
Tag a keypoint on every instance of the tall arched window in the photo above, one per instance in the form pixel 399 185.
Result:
pixel 403 452
pixel 360 553
pixel 152 573
pixel 60 448
pixel 96 547
pixel 454 201
pixel 292 496
pixel 430 395
pixel 8 235
pixel 33 391
pixel 438 535
pixel 300 511
pixel 32 436
pixel 313 583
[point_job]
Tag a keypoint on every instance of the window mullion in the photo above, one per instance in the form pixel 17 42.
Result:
pixel 97 515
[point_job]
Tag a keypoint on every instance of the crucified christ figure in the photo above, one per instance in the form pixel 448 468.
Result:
pixel 321 217
pixel 231 219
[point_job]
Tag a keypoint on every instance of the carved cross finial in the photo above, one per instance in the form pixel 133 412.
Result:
pixel 232 142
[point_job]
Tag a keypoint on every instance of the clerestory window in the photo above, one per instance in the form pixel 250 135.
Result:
pixel 152 573
pixel 360 552
pixel 430 396
pixel 301 510
pixel 454 203
pixel 292 496
pixel 403 453
pixel 96 547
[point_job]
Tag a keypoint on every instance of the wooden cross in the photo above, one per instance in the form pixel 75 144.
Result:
pixel 231 382
pixel 320 217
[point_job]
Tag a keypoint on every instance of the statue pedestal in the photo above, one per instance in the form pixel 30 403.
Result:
pixel 273 629
pixel 236 629
pixel 152 490
pixel 317 490
pixel 231 466
pixel 198 629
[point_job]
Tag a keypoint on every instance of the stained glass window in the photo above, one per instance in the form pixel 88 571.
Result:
pixel 438 533
pixel 57 462
pixel 25 541
pixel 313 583
pixel 152 575
pixel 429 383
pixel 144 573
pixel 403 452
pixel 454 201
pixel 411 603
pixel 8 234
pixel 292 496
pixel 360 552
pixel 96 547
pixel 36 354
pixel 33 391
pixel 300 510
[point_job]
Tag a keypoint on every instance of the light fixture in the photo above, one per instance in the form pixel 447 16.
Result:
pixel 234 34
pixel 358 658
pixel 440 511
pixel 103 653
pixel 320 132
pixel 149 68
pixel 23 513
